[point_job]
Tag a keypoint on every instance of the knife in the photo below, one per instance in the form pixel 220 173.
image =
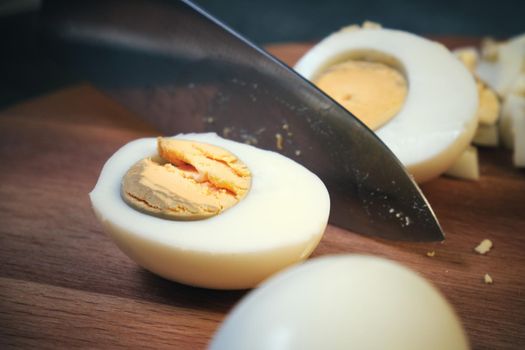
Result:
pixel 184 71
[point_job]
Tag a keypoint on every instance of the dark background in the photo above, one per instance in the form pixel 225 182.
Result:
pixel 265 21
pixel 23 73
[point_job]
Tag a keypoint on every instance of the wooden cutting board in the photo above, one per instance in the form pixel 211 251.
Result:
pixel 64 284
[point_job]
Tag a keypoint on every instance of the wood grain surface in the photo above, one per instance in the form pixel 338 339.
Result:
pixel 64 284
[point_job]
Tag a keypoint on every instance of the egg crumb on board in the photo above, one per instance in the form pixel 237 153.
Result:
pixel 426 134
pixel 488 279
pixel 484 246
pixel 237 215
pixel 431 254
pixel 339 302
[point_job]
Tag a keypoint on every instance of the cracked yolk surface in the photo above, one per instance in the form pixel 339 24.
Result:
pixel 187 181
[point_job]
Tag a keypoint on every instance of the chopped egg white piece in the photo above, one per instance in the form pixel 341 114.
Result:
pixel 503 68
pixel 278 222
pixel 489 49
pixel 487 115
pixel 469 56
pixel 343 302
pixel 438 118
pixel 511 57
pixel 489 106
pixel 466 166
pixel 512 129
pixel 488 72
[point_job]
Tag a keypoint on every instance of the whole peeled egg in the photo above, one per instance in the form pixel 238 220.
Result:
pixel 279 221
pixel 343 302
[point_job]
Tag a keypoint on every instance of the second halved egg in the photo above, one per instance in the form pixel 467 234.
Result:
pixel 418 97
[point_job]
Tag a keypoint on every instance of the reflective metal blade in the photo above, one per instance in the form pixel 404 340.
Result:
pixel 181 69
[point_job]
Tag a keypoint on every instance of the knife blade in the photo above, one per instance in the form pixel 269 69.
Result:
pixel 184 71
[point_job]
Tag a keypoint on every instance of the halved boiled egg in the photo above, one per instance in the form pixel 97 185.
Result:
pixel 210 212
pixel 418 97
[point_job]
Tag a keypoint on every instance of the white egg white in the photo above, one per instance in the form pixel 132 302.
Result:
pixel 343 302
pixel 511 58
pixel 507 76
pixel 437 121
pixel 279 222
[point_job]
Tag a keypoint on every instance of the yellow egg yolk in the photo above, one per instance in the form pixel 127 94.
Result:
pixel 374 92
pixel 189 181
